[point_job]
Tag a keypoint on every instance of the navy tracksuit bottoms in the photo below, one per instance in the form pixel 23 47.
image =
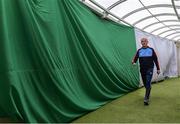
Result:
pixel 146 75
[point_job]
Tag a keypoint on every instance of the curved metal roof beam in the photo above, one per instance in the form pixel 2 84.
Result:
pixel 175 37
pixel 161 14
pixel 175 9
pixel 115 4
pixel 148 7
pixel 108 12
pixel 171 34
pixel 158 23
pixel 178 40
pixel 168 31
pixel 162 28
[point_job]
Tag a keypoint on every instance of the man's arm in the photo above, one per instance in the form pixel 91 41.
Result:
pixel 155 59
pixel 135 57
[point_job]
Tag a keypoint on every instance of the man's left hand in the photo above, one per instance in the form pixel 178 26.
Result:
pixel 158 72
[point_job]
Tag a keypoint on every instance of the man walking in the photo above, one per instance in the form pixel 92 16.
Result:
pixel 147 58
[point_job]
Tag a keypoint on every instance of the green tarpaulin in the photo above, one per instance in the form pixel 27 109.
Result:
pixel 60 61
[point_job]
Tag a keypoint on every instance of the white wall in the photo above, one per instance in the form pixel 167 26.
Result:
pixel 178 57
pixel 166 51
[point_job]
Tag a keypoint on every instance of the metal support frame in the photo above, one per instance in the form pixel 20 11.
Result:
pixel 162 28
pixel 175 9
pixel 178 40
pixel 175 36
pixel 115 4
pixel 107 12
pixel 152 16
pixel 147 26
pixel 148 7
pixel 168 31
pixel 171 34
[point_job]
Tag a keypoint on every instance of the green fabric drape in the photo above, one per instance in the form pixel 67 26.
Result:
pixel 59 60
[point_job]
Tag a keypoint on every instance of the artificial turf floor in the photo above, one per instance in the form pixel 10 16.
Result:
pixel 164 106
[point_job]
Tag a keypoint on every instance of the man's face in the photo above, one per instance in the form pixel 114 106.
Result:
pixel 144 42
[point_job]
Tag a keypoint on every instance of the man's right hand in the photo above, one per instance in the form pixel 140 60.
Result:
pixel 158 72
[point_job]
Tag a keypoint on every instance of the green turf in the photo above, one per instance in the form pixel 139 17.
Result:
pixel 164 106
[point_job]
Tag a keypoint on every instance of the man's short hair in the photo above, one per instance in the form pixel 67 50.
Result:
pixel 144 39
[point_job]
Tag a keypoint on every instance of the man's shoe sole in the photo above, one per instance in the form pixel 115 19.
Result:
pixel 146 103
